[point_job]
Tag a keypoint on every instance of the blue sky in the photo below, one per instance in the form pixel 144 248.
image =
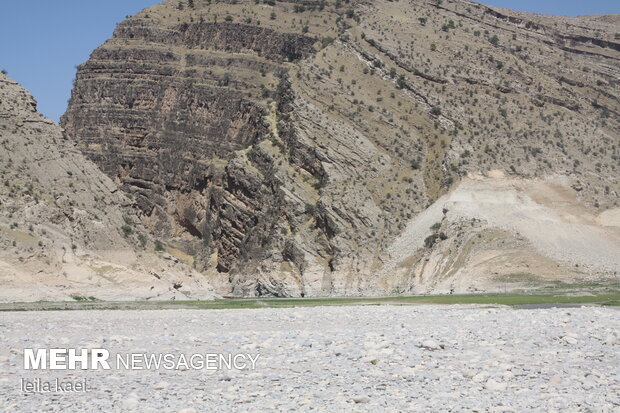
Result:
pixel 41 41
pixel 560 7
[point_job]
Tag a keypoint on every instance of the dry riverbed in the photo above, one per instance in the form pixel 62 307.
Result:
pixel 380 358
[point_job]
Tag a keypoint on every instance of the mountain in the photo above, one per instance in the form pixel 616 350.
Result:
pixel 297 148
pixel 66 230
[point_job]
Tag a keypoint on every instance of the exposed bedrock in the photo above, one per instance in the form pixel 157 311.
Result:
pixel 284 149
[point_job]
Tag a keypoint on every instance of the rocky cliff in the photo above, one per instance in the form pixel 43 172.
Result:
pixel 300 147
pixel 66 230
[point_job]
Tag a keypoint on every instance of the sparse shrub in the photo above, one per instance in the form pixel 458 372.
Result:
pixel 430 240
pixel 326 41
pixel 142 240
pixel 447 27
pixel 127 230
pixel 158 245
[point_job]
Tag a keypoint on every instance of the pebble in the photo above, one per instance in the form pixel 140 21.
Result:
pixel 431 345
pixel 495 386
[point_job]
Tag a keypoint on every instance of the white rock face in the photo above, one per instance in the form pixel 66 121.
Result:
pixel 544 212
pixel 405 358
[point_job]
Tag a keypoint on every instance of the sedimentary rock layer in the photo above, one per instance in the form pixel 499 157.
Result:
pixel 286 146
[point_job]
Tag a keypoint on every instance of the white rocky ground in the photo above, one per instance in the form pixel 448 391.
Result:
pixel 385 358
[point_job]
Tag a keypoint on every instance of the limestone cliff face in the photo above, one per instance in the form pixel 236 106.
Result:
pixel 287 146
pixel 66 230
pixel 174 115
